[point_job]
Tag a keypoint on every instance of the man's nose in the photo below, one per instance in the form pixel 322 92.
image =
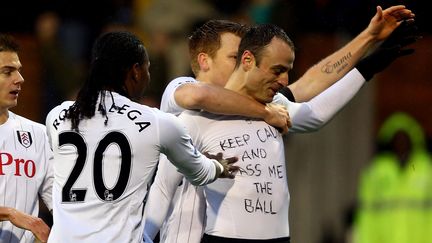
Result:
pixel 19 79
pixel 283 79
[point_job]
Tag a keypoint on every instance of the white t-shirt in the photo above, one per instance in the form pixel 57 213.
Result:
pixel 185 223
pixel 255 204
pixel 101 172
pixel 25 172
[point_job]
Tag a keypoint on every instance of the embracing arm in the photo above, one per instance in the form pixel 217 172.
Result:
pixel 219 100
pixel 332 68
pixel 177 145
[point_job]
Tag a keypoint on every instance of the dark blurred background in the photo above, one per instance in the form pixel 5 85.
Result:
pixel 324 167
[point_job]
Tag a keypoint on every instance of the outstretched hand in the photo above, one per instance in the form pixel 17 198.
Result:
pixel 386 21
pixel 389 50
pixel 227 163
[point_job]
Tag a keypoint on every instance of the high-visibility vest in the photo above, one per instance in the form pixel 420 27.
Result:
pixel 395 203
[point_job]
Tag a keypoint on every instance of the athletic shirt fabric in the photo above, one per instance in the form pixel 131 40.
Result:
pixel 101 173
pixel 259 192
pixel 25 172
pixel 186 222
pixel 166 196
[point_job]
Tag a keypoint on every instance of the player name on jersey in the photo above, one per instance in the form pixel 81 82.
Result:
pixel 132 115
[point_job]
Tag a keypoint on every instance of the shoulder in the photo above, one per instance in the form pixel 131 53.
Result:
pixel 63 106
pixel 168 102
pixel 180 81
pixel 22 121
pixel 176 83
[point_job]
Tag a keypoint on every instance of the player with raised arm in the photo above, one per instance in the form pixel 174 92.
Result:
pixel 259 193
pixel 213 49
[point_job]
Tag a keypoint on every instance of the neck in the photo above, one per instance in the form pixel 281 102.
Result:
pixel 202 77
pixel 237 82
pixel 4 115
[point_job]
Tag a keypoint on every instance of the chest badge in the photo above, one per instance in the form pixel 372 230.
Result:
pixel 25 138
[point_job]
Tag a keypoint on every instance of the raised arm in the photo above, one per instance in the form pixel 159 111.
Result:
pixel 310 116
pixel 332 68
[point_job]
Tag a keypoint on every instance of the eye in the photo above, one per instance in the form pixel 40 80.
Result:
pixel 7 72
pixel 278 71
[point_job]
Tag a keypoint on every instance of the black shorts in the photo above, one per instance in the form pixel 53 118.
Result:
pixel 217 239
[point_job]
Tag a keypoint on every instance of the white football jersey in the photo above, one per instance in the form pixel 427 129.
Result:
pixel 170 199
pixel 168 102
pixel 25 172
pixel 101 172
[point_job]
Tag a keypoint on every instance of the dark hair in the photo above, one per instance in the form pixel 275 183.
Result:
pixel 8 43
pixel 258 37
pixel 113 54
pixel 207 38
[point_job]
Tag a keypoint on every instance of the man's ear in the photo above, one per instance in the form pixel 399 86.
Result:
pixel 135 72
pixel 203 61
pixel 247 60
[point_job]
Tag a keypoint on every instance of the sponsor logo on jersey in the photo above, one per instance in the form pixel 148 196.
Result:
pixel 25 138
pixel 18 166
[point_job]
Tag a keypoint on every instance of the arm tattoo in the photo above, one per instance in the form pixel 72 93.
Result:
pixel 338 66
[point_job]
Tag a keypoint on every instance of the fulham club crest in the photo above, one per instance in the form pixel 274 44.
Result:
pixel 25 138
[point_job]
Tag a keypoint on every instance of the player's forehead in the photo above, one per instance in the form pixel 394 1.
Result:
pixel 278 53
pixel 9 60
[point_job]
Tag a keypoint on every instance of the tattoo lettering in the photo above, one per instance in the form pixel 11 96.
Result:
pixel 338 66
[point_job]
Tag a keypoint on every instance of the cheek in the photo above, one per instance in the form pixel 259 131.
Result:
pixel 225 74
pixel 228 65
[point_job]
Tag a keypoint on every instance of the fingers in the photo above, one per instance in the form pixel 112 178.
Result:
pixel 231 160
pixel 218 156
pixel 232 171
pixel 379 13
pixel 283 130
pixel 394 8
pixel 402 15
pixel 397 14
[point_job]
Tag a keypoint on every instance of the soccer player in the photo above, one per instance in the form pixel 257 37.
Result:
pixel 259 192
pixel 213 48
pixel 106 148
pixel 25 167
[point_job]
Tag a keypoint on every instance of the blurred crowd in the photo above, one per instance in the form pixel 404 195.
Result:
pixel 64 30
